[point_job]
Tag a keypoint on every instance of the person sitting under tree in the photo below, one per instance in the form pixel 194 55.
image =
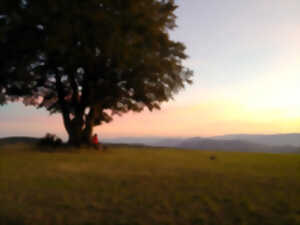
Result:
pixel 95 142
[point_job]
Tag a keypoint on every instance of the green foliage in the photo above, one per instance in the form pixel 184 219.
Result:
pixel 90 59
pixel 148 186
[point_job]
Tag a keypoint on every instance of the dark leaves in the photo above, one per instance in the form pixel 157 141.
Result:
pixel 113 56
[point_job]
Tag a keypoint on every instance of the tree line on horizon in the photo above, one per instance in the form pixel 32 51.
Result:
pixel 89 60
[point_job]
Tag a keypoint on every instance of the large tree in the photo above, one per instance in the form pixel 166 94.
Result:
pixel 15 52
pixel 91 59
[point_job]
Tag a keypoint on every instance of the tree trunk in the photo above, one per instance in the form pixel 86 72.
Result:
pixel 79 128
pixel 79 136
pixel 75 136
pixel 80 131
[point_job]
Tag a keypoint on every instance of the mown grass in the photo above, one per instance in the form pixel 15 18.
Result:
pixel 132 186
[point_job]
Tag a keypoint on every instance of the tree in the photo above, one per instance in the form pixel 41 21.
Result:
pixel 89 60
pixel 18 50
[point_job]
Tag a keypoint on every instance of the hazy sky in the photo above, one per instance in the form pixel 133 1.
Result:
pixel 246 60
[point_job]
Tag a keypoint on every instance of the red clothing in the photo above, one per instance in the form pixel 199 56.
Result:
pixel 95 140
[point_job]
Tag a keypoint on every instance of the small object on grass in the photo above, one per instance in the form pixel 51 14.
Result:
pixel 212 157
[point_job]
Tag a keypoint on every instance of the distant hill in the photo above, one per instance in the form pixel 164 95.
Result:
pixel 277 143
pixel 234 145
pixel 254 140
pixel 272 140
pixel 150 141
pixel 169 142
pixel 17 140
pixel 202 143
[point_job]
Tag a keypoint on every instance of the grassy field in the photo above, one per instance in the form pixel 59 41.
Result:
pixel 131 186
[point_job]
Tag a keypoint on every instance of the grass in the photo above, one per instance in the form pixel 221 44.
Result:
pixel 132 186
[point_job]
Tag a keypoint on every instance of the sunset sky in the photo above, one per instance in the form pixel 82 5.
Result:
pixel 246 61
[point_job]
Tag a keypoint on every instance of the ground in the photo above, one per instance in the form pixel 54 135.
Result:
pixel 141 186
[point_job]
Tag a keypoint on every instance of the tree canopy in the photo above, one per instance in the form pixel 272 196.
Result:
pixel 91 59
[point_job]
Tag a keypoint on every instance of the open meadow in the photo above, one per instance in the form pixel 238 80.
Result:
pixel 147 186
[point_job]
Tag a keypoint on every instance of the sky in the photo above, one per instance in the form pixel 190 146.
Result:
pixel 246 61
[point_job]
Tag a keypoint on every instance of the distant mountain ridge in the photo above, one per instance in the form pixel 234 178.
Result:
pixel 234 142
pixel 17 140
pixel 292 139
pixel 235 145
pixel 204 143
